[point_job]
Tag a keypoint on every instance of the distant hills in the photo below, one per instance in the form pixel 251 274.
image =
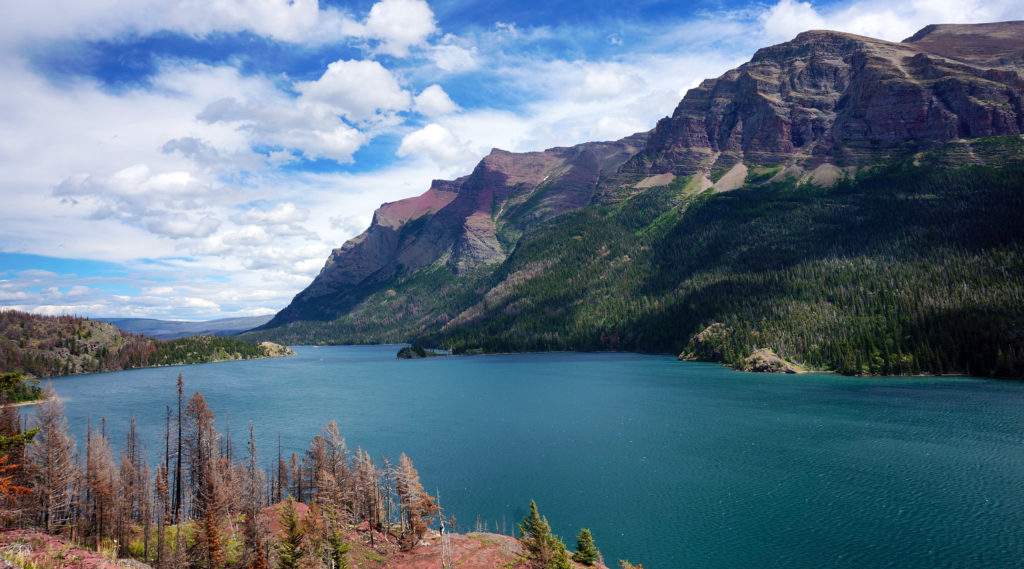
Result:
pixel 171 329
pixel 846 202
pixel 48 346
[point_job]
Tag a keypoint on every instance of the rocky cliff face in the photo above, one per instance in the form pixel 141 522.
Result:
pixel 821 102
pixel 829 97
pixel 461 224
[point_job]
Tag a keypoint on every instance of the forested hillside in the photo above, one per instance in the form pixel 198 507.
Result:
pixel 906 269
pixel 48 346
pixel 911 267
pixel 847 202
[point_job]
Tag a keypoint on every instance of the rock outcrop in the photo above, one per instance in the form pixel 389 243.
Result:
pixel 766 360
pixel 276 350
pixel 709 345
pixel 830 97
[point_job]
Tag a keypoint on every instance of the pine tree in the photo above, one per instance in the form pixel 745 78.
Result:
pixel 543 549
pixel 253 483
pixel 176 504
pixel 586 552
pixel 51 463
pixel 560 559
pixel 101 485
pixel 338 547
pixel 417 505
pixel 290 548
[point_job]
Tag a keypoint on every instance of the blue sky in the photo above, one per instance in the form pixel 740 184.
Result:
pixel 189 159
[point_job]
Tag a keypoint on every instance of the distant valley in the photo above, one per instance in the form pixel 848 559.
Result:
pixel 171 329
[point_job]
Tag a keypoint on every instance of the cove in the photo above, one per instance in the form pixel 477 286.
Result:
pixel 669 464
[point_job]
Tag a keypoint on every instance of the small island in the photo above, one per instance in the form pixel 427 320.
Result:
pixel 415 352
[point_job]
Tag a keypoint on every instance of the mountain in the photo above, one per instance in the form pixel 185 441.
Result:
pixel 48 346
pixel 461 224
pixel 829 100
pixel 171 329
pixel 847 202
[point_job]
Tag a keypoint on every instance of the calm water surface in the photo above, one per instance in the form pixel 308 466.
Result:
pixel 669 464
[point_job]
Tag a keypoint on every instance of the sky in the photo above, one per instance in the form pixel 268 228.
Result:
pixel 200 159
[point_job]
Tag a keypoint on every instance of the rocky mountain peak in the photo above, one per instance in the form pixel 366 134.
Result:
pixel 460 224
pixel 999 44
pixel 837 98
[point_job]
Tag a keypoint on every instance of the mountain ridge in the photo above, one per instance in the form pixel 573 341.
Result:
pixel 820 111
pixel 173 329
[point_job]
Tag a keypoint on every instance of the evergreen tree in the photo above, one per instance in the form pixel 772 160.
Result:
pixel 586 552
pixel 338 548
pixel 544 550
pixel 560 559
pixel 290 549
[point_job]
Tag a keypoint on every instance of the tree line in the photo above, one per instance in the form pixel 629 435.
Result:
pixel 50 346
pixel 908 268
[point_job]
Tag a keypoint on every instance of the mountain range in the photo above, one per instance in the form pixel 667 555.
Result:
pixel 844 202
pixel 172 329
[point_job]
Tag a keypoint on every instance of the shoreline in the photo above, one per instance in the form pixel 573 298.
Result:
pixel 33 402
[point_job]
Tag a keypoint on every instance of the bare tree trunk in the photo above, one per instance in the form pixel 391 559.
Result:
pixel 177 468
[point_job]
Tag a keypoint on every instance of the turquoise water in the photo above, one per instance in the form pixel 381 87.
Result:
pixel 670 464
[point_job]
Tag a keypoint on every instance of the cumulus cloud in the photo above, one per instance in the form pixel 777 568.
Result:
pixel 400 24
pixel 452 57
pixel 360 90
pixel 281 214
pixel 433 101
pixel 883 19
pixel 296 21
pixel 436 142
pixel 314 129
pixel 788 18
pixel 136 195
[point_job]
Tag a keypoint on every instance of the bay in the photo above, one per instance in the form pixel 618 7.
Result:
pixel 669 464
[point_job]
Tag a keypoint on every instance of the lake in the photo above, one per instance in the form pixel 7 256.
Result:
pixel 670 464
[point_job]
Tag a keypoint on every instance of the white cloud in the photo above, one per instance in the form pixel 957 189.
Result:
pixel 892 21
pixel 400 24
pixel 350 224
pixel 433 101
pixel 192 302
pixel 312 128
pixel 608 80
pixel 281 214
pixel 438 143
pixel 180 227
pixel 454 58
pixel 788 18
pixel 360 90
pixel 295 21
